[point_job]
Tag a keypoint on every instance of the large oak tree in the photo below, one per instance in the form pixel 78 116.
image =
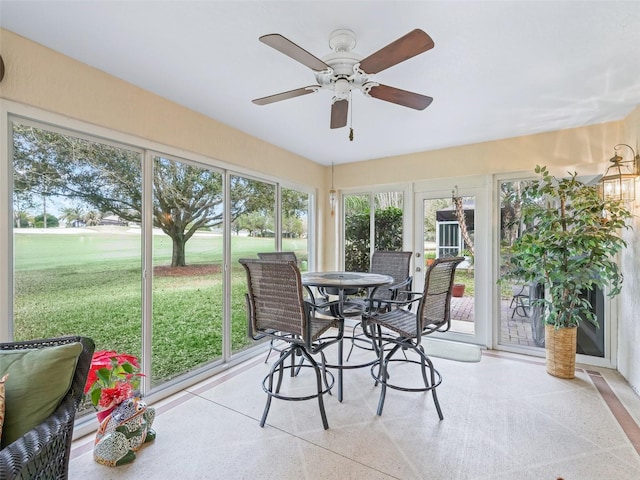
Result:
pixel 108 179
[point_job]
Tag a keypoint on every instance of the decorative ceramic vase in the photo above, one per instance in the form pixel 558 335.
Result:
pixel 123 432
pixel 560 345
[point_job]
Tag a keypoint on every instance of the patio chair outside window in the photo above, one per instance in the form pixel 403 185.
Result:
pixel 520 300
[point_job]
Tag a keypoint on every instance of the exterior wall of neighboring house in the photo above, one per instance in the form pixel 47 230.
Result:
pixel 40 77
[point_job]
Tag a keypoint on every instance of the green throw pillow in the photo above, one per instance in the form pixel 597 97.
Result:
pixel 38 380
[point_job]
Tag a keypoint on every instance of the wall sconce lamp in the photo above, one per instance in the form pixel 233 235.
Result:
pixel 619 181
pixel 332 195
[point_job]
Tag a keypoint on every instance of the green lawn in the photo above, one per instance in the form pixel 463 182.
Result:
pixel 90 284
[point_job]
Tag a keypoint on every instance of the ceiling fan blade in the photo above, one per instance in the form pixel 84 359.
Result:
pixel 286 46
pixel 412 44
pixel 286 95
pixel 339 111
pixel 400 97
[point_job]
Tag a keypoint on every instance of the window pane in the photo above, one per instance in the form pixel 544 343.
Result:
pixel 253 213
pixel 357 237
pixel 187 268
pixel 446 235
pixel 77 243
pixel 520 323
pixel 388 221
pixel 295 233
pixel 387 229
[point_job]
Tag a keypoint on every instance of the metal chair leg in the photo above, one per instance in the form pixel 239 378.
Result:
pixel 324 372
pixel 280 363
pixel 433 390
pixel 277 366
pixel 383 388
pixel 269 352
pixel 353 336
pixel 383 374
pixel 426 361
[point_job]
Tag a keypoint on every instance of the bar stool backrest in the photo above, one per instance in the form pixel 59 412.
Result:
pixel 394 263
pixel 274 297
pixel 434 312
pixel 289 256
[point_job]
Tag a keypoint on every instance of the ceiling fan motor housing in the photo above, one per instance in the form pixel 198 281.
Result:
pixel 344 74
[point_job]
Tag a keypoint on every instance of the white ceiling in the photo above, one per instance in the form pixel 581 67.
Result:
pixel 498 69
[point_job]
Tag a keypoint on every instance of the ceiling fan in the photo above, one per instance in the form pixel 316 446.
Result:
pixel 344 71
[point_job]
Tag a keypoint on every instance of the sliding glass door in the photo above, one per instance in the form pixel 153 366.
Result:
pixel 521 320
pixel 253 214
pixel 187 326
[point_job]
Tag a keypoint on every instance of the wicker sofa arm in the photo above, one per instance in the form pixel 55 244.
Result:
pixel 43 452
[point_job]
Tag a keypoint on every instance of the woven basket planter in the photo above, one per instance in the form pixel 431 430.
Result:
pixel 560 346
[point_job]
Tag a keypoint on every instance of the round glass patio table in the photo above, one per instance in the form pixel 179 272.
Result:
pixel 341 282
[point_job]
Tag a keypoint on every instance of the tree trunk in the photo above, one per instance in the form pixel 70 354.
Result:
pixel 462 221
pixel 178 256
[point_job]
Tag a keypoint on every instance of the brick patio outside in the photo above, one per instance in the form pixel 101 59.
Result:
pixel 515 331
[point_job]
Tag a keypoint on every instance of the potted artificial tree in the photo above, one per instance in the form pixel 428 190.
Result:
pixel 570 238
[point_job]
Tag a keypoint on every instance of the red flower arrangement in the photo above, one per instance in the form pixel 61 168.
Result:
pixel 113 377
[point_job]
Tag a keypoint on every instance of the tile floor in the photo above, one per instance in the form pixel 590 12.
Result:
pixel 504 418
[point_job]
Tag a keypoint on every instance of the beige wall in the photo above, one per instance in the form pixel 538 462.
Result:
pixel 585 148
pixel 43 78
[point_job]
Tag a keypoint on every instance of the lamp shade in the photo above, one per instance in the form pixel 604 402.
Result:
pixel 619 187
pixel 619 181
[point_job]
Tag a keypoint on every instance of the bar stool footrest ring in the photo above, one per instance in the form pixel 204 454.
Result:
pixel 327 389
pixel 376 376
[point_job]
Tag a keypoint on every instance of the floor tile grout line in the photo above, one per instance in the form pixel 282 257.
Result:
pixel 619 411
pixel 295 436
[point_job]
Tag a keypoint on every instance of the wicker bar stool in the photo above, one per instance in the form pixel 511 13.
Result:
pixel 276 308
pixel 408 327
pixel 289 256
pixel 385 262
